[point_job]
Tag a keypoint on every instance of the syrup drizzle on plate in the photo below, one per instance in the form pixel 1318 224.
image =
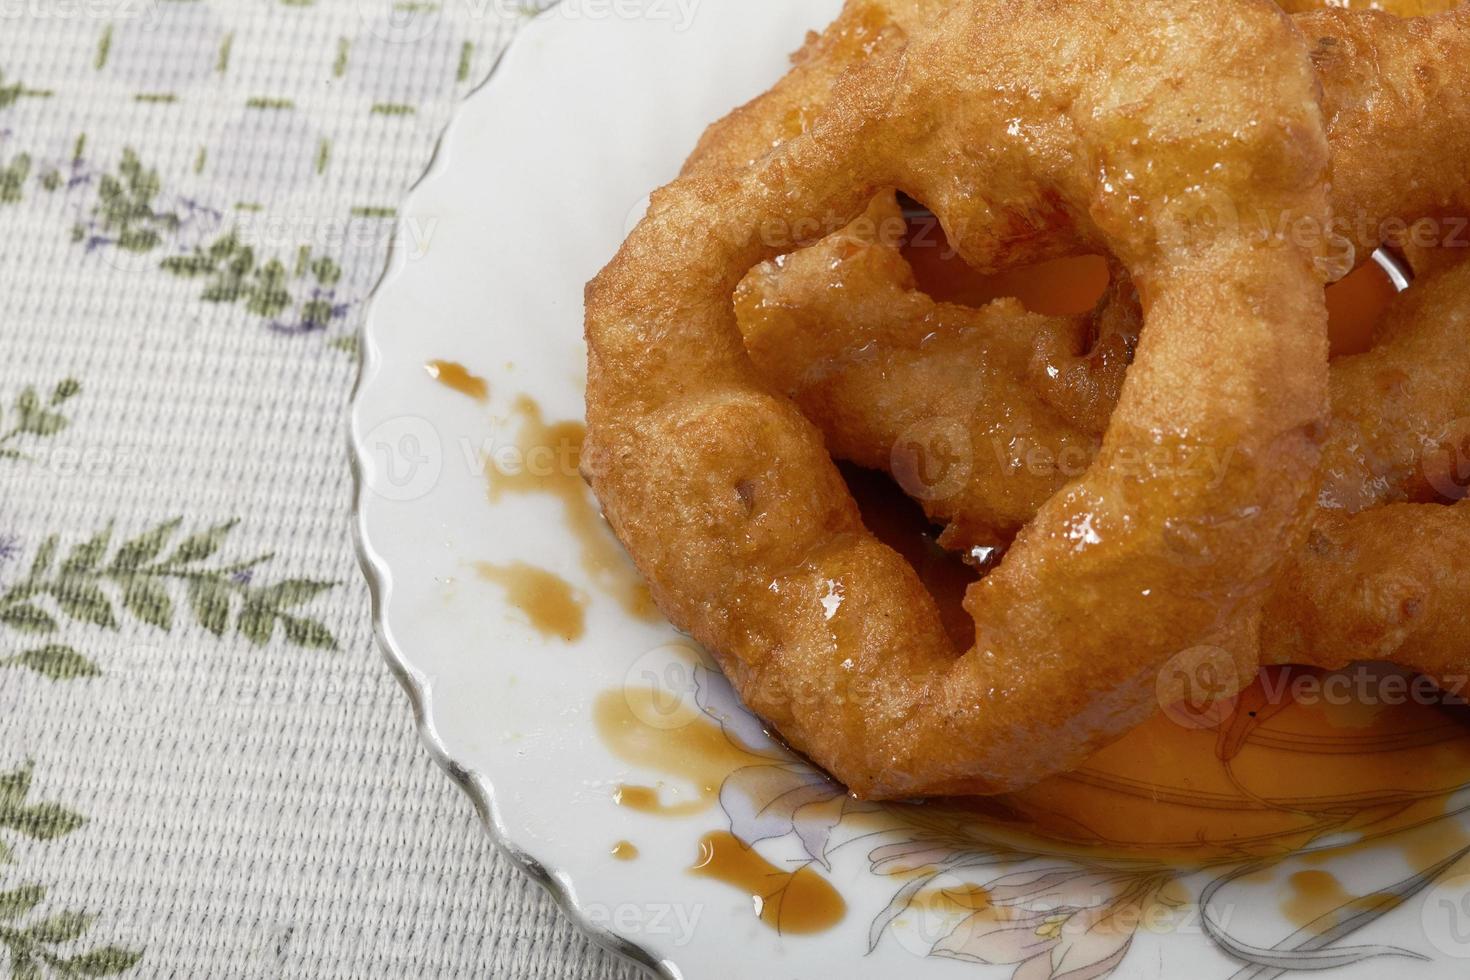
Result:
pixel 1280 772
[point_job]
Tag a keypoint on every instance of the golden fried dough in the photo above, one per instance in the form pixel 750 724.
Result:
pixel 876 364
pixel 1029 127
pixel 1399 8
pixel 955 402
pixel 954 383
pixel 1391 583
pixel 1396 95
pixel 1397 98
pixel 843 329
pixel 1400 406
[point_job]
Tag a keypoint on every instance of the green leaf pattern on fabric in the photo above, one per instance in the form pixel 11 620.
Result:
pixel 30 417
pixel 139 584
pixel 295 295
pixel 195 232
pixel 41 943
pixel 232 272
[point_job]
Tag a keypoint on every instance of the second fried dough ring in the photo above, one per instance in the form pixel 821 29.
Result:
pixel 725 495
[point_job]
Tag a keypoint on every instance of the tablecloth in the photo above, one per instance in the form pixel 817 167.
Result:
pixel 205 768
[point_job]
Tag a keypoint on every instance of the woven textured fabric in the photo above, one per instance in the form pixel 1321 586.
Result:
pixel 205 768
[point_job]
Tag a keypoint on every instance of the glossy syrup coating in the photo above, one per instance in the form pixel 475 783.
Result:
pixel 1381 77
pixel 1385 574
pixel 1397 97
pixel 843 329
pixel 1028 127
pixel 1401 411
pixel 1381 577
pixel 981 414
pixel 1396 93
pixel 1399 8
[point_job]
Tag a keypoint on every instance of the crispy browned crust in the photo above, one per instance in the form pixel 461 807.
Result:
pixel 728 501
pixel 790 107
pixel 1396 92
pixel 847 333
pixel 1392 583
pixel 1397 99
pixel 1401 407
pixel 980 414
pixel 842 328
pixel 1399 8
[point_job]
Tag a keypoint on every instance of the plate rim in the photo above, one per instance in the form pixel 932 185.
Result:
pixel 476 786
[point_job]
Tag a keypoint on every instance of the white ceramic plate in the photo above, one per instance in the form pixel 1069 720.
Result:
pixel 536 184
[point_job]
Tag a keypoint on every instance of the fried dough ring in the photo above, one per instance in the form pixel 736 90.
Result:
pixel 842 328
pixel 728 502
pixel 1386 81
pixel 1377 110
pixel 1396 93
pixel 1399 437
pixel 954 402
